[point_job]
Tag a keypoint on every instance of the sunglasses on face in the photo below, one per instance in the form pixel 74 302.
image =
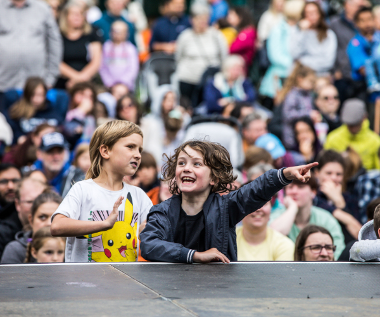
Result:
pixel 317 248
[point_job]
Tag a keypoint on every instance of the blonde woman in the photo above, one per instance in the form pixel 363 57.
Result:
pixel 82 48
pixel 270 19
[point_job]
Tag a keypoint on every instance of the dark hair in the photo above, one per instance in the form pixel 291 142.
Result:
pixel 147 160
pixel 81 87
pixel 135 103
pixel 245 17
pixel 7 166
pixel 47 196
pixel 255 155
pixel 322 25
pixel 222 23
pixel 302 237
pixel 215 156
pixel 361 10
pixel 312 183
pixel 317 147
pixel 236 112
pixel 330 156
pixel 371 208
pixel 376 220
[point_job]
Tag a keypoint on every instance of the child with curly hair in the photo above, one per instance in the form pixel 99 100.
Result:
pixel 197 224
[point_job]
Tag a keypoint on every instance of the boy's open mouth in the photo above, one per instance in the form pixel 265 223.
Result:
pixel 122 250
pixel 134 164
pixel 187 180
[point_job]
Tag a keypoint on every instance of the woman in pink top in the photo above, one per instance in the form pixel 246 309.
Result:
pixel 244 44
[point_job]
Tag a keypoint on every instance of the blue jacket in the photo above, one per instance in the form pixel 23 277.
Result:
pixel 104 24
pixel 218 10
pixel 211 95
pixel 221 213
pixel 167 29
pixel 57 102
pixel 359 50
pixel 57 181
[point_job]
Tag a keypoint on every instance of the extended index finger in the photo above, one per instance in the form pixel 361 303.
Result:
pixel 308 167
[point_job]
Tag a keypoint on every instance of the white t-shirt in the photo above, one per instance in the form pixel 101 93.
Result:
pixel 88 201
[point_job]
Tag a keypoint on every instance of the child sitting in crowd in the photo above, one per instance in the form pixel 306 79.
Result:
pixel 45 248
pixel 120 63
pixel 96 232
pixel 42 210
pixel 368 246
pixel 197 224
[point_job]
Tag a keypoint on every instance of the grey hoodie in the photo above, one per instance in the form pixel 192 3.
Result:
pixel 15 251
pixel 368 246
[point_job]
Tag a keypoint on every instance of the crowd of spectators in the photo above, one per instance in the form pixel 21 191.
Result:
pixel 300 85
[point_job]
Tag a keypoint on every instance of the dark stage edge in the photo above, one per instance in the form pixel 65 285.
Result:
pixel 159 289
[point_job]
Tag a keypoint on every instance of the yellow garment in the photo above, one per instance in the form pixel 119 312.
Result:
pixel 276 247
pixel 230 35
pixel 366 143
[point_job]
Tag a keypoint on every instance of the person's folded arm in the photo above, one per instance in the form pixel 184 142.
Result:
pixel 154 242
pixel 365 250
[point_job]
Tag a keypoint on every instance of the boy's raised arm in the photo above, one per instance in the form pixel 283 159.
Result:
pixel 257 193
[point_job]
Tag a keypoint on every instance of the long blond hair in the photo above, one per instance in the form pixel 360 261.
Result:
pixel 63 19
pixel 299 71
pixel 108 134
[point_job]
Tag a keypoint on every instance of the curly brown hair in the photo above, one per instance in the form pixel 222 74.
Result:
pixel 215 156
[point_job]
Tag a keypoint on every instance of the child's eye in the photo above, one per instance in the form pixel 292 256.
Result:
pixel 43 218
pixel 197 164
pixel 181 163
pixel 49 252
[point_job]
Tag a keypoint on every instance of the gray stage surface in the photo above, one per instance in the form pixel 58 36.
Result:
pixel 158 289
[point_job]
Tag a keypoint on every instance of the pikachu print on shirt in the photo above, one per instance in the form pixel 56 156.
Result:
pixel 118 244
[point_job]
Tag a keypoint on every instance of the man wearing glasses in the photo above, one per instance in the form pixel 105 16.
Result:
pixel 10 177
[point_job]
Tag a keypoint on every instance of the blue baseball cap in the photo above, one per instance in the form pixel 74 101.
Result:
pixel 272 144
pixel 52 140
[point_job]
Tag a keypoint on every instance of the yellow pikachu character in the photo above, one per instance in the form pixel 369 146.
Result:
pixel 118 244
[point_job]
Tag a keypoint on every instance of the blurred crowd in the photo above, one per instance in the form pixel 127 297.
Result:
pixel 299 85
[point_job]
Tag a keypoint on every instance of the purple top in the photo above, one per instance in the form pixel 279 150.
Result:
pixel 120 64
pixel 298 103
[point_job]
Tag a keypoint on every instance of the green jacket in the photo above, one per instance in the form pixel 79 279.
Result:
pixel 366 143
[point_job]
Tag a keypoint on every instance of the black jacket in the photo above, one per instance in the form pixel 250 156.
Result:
pixel 9 225
pixel 222 213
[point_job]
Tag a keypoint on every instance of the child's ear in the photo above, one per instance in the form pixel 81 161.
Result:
pixel 104 151
pixel 378 232
pixel 33 252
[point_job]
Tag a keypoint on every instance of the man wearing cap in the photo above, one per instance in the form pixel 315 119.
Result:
pixel 355 132
pixel 281 157
pixel 53 159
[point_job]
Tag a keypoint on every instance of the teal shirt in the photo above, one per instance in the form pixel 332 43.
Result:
pixel 319 217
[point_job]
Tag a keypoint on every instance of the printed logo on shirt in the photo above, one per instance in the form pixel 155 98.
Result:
pixel 118 244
